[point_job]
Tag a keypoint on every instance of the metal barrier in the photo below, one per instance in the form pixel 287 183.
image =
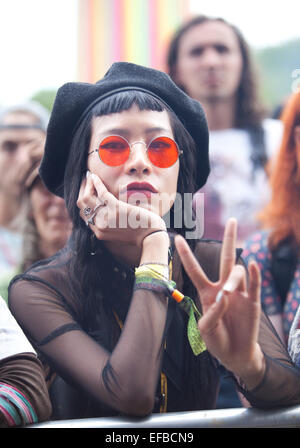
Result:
pixel 219 418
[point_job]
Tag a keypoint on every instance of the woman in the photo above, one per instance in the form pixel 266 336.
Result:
pixel 276 248
pixel 24 397
pixel 44 224
pixel 102 311
pixel 47 227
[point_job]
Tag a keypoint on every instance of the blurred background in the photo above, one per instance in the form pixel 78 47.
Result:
pixel 45 43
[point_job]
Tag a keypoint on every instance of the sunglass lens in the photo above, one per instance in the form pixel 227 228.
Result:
pixel 163 152
pixel 114 150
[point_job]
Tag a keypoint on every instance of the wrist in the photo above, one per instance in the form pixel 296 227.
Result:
pixel 255 371
pixel 155 247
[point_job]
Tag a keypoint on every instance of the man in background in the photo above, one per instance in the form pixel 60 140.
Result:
pixel 210 60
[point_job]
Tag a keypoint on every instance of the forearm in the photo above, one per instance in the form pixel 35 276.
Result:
pixel 142 337
pixel 280 383
pixel 23 387
pixel 252 373
pixel 136 360
pixel 279 387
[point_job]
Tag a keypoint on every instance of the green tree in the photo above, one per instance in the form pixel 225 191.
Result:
pixel 276 66
pixel 45 98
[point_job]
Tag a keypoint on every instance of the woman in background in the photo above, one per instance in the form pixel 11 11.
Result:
pixel 45 226
pixel 276 248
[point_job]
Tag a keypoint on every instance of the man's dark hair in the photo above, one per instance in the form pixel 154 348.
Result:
pixel 249 111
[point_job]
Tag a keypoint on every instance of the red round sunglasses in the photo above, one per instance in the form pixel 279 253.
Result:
pixel 114 150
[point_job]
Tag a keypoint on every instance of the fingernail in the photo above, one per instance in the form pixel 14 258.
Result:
pixel 228 287
pixel 87 174
pixel 219 296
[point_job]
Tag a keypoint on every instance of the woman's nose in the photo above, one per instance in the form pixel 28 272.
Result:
pixel 138 159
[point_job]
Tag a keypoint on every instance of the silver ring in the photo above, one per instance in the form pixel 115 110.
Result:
pixel 87 211
pixel 90 220
pixel 100 204
pixel 96 208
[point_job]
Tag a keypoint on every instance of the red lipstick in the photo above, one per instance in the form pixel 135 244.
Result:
pixel 140 187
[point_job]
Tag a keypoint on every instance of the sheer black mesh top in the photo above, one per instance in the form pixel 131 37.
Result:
pixel 118 351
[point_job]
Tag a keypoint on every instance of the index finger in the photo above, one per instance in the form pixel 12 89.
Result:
pixel 228 253
pixel 99 185
pixel 191 265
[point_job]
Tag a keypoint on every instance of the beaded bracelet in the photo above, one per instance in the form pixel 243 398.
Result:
pixel 155 277
pixel 15 406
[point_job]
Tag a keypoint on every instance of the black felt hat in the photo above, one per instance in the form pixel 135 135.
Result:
pixel 74 100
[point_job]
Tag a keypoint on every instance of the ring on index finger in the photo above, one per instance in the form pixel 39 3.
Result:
pixel 87 211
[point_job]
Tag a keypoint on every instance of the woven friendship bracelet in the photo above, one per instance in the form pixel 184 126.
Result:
pixel 155 278
pixel 160 271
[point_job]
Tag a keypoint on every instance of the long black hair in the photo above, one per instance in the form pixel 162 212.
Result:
pixel 87 283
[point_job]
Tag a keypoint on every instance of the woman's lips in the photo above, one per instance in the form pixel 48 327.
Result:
pixel 138 192
pixel 141 190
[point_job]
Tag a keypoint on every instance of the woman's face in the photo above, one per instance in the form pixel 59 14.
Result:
pixel 50 216
pixel 137 181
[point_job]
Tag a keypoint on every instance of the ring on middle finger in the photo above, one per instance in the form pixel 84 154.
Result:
pixel 100 202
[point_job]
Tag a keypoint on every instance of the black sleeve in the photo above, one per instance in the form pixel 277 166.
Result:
pixel 125 379
pixel 281 383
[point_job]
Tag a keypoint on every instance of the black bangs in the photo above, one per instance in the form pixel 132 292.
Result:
pixel 125 100
pixel 144 101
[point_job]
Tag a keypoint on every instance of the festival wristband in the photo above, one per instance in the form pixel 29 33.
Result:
pixel 150 276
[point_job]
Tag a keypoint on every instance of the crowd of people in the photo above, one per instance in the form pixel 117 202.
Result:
pixel 107 306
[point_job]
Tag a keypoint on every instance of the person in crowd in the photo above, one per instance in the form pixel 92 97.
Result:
pixel 24 397
pixel 211 61
pixel 45 227
pixel 22 137
pixel 132 316
pixel 276 246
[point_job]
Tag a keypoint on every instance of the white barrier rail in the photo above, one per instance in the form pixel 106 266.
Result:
pixel 219 418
